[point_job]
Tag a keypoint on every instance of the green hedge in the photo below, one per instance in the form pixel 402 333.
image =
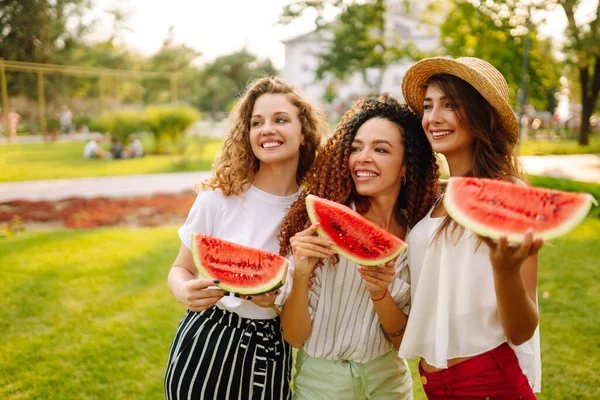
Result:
pixel 168 125
pixel 119 123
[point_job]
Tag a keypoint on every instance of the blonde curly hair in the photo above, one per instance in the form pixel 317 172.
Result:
pixel 236 166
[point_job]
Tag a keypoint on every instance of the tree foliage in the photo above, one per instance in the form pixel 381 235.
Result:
pixel 583 53
pixel 223 80
pixel 36 31
pixel 359 40
pixel 495 32
pixel 581 50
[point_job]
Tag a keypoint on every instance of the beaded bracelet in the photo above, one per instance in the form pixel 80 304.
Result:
pixel 381 298
pixel 393 334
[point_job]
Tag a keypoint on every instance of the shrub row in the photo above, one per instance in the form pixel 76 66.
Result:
pixel 166 123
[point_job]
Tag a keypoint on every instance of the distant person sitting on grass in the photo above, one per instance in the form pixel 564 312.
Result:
pixel 116 148
pixel 134 149
pixel 92 149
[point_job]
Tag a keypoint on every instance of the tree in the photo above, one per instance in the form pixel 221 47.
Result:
pixel 358 41
pixel 495 32
pixel 171 57
pixel 221 81
pixel 36 31
pixel 583 52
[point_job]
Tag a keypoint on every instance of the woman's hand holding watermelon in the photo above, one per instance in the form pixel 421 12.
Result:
pixel 196 296
pixel 506 257
pixel 308 249
pixel 378 279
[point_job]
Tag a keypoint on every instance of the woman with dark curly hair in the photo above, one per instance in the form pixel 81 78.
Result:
pixel 347 319
pixel 225 346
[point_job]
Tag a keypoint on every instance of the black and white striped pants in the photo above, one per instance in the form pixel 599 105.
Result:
pixel 216 354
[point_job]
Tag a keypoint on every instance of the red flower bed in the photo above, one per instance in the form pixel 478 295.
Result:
pixel 78 213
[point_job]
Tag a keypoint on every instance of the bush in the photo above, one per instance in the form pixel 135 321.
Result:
pixel 168 125
pixel 119 123
pixel 80 120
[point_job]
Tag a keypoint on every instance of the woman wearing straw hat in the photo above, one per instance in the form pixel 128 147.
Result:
pixel 474 316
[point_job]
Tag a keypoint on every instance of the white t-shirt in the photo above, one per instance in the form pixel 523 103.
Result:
pixel 251 219
pixel 90 148
pixel 454 311
pixel 136 149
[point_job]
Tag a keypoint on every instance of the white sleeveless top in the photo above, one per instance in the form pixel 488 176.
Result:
pixel 454 312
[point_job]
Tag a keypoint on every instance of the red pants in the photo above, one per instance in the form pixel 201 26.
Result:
pixel 493 375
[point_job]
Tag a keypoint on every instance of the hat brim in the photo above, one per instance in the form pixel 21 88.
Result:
pixel 413 88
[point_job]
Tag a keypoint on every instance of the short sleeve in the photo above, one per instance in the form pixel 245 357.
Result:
pixel 314 290
pixel 400 287
pixel 201 218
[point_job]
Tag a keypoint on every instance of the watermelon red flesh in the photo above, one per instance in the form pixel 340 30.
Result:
pixel 355 237
pixel 240 269
pixel 493 208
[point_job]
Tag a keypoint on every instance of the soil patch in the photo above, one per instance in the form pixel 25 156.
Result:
pixel 82 213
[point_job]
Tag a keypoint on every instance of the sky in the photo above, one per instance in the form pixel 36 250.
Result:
pixel 219 27
pixel 213 27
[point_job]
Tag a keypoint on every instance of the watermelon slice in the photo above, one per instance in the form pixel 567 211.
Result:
pixel 240 269
pixel 356 238
pixel 493 208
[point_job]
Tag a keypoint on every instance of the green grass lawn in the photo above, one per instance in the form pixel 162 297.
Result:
pixel 565 146
pixel 33 161
pixel 87 314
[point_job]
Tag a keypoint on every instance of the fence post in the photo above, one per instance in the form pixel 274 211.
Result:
pixel 41 102
pixel 4 96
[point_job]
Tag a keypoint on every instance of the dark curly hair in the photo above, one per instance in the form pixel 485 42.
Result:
pixel 330 175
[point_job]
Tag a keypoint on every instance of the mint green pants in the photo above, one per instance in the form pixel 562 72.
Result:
pixel 386 377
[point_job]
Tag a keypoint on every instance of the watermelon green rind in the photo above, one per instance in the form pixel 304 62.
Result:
pixel 276 282
pixel 311 199
pixel 480 228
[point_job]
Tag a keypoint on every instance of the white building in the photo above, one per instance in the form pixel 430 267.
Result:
pixel 301 57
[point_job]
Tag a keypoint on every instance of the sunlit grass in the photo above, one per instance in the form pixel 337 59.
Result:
pixel 87 314
pixel 565 146
pixel 33 161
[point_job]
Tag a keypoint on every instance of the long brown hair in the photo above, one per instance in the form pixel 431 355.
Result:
pixel 236 165
pixel 494 150
pixel 330 176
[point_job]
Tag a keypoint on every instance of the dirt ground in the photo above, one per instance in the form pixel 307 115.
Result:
pixel 81 213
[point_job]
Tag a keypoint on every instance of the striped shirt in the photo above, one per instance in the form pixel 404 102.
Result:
pixel 345 325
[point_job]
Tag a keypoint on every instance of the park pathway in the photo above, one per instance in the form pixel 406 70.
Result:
pixel 584 167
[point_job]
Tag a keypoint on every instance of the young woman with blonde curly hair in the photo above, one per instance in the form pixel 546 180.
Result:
pixel 347 319
pixel 228 347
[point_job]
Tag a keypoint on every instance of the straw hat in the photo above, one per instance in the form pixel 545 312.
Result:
pixel 480 74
